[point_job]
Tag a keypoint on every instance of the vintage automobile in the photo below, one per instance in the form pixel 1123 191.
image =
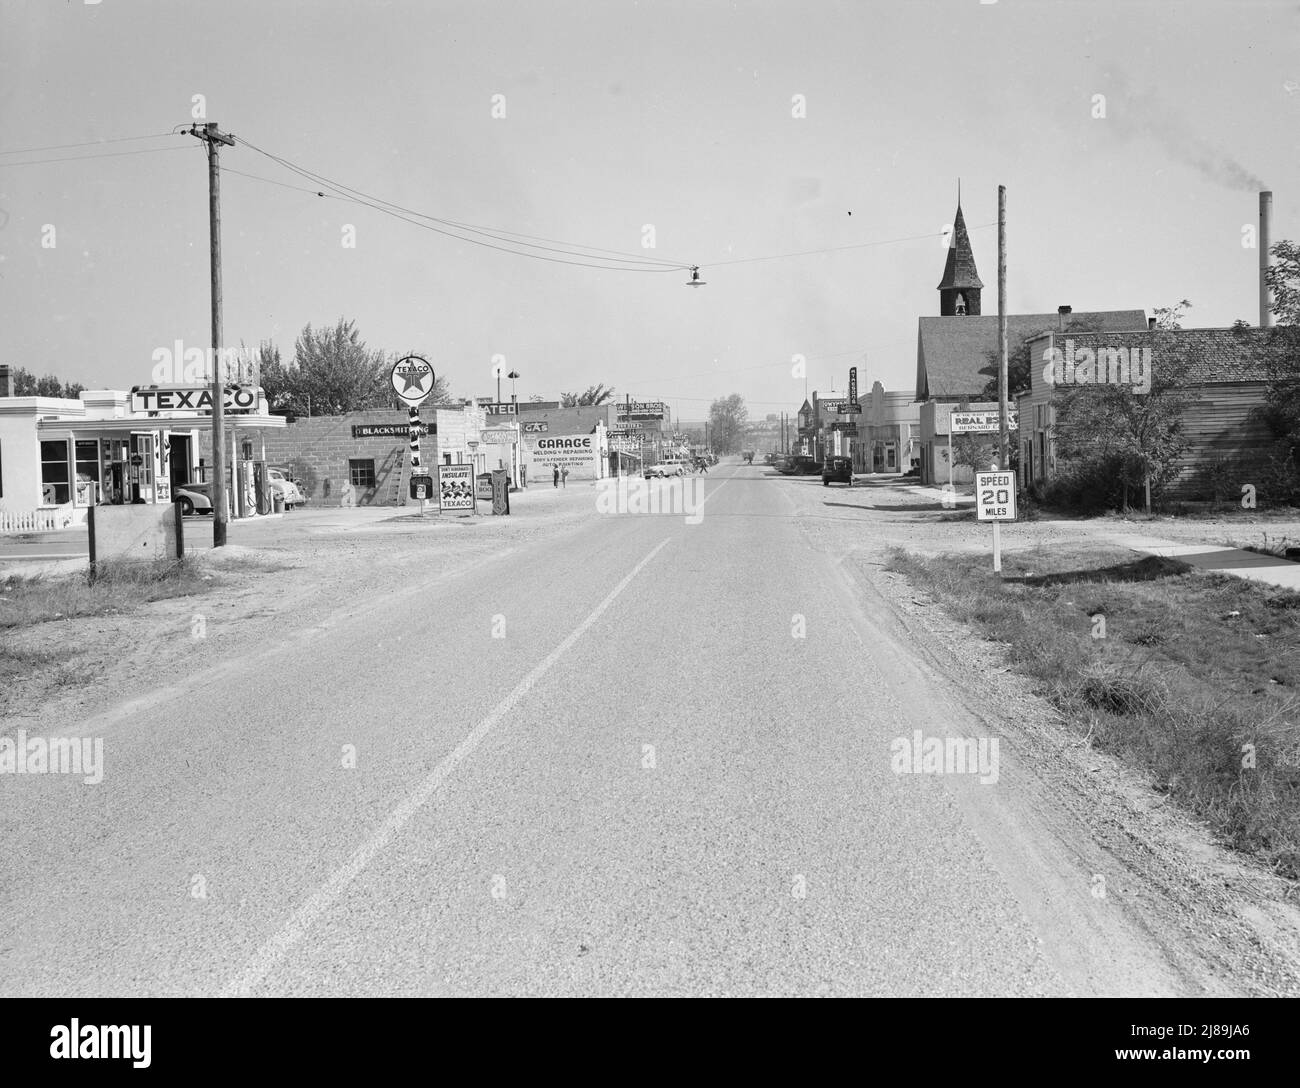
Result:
pixel 838 470
pixel 195 498
pixel 665 468
pixel 283 485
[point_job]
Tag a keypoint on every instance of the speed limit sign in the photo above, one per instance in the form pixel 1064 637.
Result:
pixel 995 496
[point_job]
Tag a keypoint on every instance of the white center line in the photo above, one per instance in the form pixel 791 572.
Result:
pixel 301 920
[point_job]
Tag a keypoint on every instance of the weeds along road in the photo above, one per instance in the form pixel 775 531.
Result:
pixel 639 757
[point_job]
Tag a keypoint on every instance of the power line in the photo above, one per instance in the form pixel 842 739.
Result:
pixel 609 263
pixel 110 155
pixel 85 143
pixel 281 184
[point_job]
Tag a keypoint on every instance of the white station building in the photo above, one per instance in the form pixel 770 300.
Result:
pixel 59 457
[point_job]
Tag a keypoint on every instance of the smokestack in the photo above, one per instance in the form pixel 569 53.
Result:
pixel 1265 229
pixel 6 382
pixel 1062 312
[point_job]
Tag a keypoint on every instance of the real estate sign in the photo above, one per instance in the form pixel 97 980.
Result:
pixel 982 422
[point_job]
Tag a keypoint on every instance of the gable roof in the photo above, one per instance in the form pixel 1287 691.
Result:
pixel 951 351
pixel 1203 356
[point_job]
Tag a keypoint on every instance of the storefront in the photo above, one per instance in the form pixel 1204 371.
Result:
pixel 59 457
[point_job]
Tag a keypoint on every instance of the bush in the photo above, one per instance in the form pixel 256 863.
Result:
pixel 1090 486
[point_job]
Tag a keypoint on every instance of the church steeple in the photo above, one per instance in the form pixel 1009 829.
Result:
pixel 959 290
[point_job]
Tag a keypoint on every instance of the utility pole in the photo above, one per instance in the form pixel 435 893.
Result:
pixel 214 138
pixel 1004 421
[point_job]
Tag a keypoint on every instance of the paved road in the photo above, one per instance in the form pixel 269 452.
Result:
pixel 669 773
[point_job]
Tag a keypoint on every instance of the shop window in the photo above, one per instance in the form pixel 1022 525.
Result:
pixel 55 475
pixel 361 471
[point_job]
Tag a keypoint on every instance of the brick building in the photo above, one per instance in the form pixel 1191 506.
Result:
pixel 361 458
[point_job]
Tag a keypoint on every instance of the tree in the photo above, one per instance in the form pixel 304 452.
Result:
pixel 727 419
pixel 27 384
pixel 1169 318
pixel 595 394
pixel 333 372
pixel 1283 279
pixel 1141 433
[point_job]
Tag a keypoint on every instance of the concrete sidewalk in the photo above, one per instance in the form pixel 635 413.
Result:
pixel 1210 557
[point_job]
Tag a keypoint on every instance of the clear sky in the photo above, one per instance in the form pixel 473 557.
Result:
pixel 679 114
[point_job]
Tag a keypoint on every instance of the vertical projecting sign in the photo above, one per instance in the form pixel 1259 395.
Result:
pixel 413 381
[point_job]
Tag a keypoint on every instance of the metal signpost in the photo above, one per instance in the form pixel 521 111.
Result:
pixel 995 501
pixel 413 380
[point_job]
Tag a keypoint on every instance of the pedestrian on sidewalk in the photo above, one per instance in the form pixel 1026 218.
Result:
pixel 565 477
pixel 555 478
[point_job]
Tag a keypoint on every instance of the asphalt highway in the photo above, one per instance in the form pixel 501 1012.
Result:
pixel 643 757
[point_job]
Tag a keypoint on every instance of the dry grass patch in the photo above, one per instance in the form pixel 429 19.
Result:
pixel 1191 676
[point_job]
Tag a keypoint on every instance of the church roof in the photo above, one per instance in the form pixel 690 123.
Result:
pixel 959 269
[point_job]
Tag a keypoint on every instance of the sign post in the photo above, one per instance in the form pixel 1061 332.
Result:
pixel 995 501
pixel 413 380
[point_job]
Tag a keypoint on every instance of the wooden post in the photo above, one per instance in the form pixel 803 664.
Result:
pixel 1003 395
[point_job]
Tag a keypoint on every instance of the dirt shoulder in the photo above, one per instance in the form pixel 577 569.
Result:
pixel 302 568
pixel 1226 924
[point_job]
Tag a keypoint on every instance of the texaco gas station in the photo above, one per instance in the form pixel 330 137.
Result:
pixel 59 457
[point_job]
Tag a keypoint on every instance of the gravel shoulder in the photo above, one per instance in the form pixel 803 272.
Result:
pixel 1225 925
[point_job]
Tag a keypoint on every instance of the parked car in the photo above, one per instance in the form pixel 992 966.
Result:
pixel 665 468
pixel 837 469
pixel 281 484
pixel 195 498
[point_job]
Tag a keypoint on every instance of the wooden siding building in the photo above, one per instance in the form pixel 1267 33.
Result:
pixel 1226 370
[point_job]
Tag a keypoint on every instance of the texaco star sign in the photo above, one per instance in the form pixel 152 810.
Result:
pixel 412 378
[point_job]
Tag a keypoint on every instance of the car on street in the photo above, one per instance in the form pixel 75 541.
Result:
pixel 663 469
pixel 282 485
pixel 837 470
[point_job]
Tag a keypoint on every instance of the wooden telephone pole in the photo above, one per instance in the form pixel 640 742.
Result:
pixel 214 138
pixel 1004 420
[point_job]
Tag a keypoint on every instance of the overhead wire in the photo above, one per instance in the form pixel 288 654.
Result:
pixel 84 143
pixel 574 250
pixel 109 155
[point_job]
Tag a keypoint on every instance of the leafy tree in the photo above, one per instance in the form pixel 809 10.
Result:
pixel 595 394
pixel 727 419
pixel 1141 433
pixel 27 384
pixel 1169 318
pixel 333 372
pixel 1283 279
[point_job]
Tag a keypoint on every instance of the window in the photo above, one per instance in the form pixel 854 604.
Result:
pixel 54 472
pixel 361 471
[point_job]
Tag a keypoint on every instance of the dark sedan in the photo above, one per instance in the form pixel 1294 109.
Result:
pixel 838 470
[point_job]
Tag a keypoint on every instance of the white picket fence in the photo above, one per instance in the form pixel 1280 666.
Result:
pixel 43 520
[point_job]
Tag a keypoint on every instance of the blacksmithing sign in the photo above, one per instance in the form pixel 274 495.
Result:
pixel 390 430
